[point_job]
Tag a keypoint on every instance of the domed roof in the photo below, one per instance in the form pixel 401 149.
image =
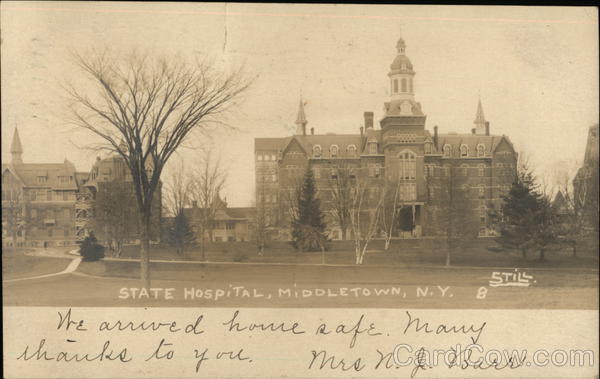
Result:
pixel 401 60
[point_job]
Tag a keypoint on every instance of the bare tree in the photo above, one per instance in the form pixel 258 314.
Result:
pixel 364 216
pixel 144 108
pixel 341 203
pixel 209 180
pixel 389 210
pixel 178 187
pixel 115 220
pixel 13 209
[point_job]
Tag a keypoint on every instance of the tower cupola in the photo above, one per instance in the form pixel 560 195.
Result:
pixel 401 75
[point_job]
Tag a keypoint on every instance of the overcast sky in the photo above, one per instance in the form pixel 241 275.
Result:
pixel 535 69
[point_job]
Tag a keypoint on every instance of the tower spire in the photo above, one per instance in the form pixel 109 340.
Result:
pixel 301 119
pixel 479 119
pixel 16 149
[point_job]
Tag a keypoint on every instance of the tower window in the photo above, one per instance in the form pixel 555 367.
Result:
pixel 410 85
pixel 408 166
pixel 373 148
pixel 395 85
pixel 403 84
pixel 428 148
pixel 464 151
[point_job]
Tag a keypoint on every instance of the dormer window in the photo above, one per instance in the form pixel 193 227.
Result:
pixel 464 151
pixel 428 148
pixel 480 150
pixel 447 151
pixel 372 147
pixel 333 151
pixel 351 149
pixel 317 151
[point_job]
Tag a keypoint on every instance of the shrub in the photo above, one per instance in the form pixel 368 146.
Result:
pixel 90 249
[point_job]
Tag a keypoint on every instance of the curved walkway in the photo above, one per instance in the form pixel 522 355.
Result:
pixel 53 253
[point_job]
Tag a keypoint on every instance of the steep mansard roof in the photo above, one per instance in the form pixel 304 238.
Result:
pixel 490 142
pixel 29 173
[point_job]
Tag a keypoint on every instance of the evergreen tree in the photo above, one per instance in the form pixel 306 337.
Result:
pixel 181 234
pixel 526 219
pixel 90 249
pixel 308 228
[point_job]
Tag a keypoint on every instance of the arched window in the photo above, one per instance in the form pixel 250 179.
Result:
pixel 317 151
pixel 447 151
pixel 395 86
pixel 480 150
pixel 410 85
pixel 464 151
pixel 351 149
pixel 408 165
pixel 403 84
pixel 333 151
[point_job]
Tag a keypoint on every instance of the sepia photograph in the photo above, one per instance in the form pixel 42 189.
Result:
pixel 284 159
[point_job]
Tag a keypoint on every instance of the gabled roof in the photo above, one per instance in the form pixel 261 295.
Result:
pixel 472 141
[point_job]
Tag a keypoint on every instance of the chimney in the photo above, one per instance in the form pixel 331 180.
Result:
pixel 361 131
pixel 368 120
pixel 473 131
pixel 487 128
pixel 312 131
pixel 435 136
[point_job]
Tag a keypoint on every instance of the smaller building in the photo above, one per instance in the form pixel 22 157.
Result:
pixel 228 224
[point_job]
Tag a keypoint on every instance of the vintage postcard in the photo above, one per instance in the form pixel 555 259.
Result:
pixel 299 190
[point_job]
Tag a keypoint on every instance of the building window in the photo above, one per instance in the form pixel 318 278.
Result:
pixel 372 147
pixel 49 195
pixel 334 174
pixel 480 150
pixel 482 231
pixel 230 225
pixel 49 232
pixel 273 157
pixel 403 84
pixel 317 173
pixel 66 232
pixel 273 177
pixel 429 170
pixel 65 196
pixel 464 151
pixel 447 151
pixel 408 165
pixel 41 179
pixel 465 169
pixel 395 85
pixel 317 151
pixel 377 170
pixel 351 150
pixel 481 191
pixel 408 192
pixel 34 213
pixel 259 157
pixel 333 151
pixel 410 85
pixel 481 170
pixel 67 213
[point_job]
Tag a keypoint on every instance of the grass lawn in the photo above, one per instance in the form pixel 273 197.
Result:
pixel 15 264
pixel 401 253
